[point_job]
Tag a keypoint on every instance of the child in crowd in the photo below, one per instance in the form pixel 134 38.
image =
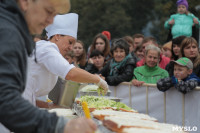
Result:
pixel 183 80
pixel 69 56
pixel 181 23
pixel 95 62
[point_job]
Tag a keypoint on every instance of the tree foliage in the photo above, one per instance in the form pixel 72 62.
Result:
pixel 163 9
pixel 125 17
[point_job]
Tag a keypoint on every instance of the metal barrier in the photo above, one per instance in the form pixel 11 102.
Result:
pixel 154 99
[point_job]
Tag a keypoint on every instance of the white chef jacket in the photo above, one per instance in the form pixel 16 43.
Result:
pixel 43 75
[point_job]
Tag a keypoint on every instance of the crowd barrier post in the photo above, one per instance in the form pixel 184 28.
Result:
pixel 183 110
pixel 147 102
pixel 165 107
pixel 130 96
pixel 115 91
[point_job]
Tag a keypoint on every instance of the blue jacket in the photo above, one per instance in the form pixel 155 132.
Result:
pixel 190 77
pixel 184 86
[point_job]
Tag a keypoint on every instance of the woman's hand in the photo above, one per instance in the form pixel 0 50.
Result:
pixel 80 125
pixel 137 83
pixel 103 84
pixel 102 76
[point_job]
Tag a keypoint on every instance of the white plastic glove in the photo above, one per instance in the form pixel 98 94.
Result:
pixel 103 84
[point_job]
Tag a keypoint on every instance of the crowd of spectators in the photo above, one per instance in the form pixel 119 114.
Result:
pixel 143 62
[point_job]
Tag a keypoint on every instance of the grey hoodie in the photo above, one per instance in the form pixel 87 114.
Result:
pixel 17 114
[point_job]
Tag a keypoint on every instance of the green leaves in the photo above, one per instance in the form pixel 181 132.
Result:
pixel 101 102
pixel 125 17
pixel 100 91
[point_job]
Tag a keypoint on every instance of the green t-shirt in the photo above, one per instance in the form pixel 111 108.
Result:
pixel 150 74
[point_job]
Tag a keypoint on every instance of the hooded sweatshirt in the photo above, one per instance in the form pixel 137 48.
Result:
pixel 17 114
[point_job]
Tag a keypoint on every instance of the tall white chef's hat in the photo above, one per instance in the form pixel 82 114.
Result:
pixel 66 24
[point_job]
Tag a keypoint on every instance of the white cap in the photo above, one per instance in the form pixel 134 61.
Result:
pixel 66 24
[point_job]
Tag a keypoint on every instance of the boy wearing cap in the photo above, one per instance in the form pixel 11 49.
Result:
pixel 183 80
pixel 182 22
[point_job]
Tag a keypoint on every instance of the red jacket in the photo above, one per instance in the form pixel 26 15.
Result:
pixel 163 62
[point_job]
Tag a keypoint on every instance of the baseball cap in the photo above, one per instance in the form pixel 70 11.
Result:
pixel 184 62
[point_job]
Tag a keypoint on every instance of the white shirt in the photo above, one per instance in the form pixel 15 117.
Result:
pixel 43 75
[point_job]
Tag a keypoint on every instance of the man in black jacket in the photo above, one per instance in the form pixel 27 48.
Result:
pixel 19 19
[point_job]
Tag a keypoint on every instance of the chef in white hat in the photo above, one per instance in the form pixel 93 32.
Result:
pixel 48 62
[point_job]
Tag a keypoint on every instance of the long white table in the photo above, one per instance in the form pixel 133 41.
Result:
pixel 171 107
